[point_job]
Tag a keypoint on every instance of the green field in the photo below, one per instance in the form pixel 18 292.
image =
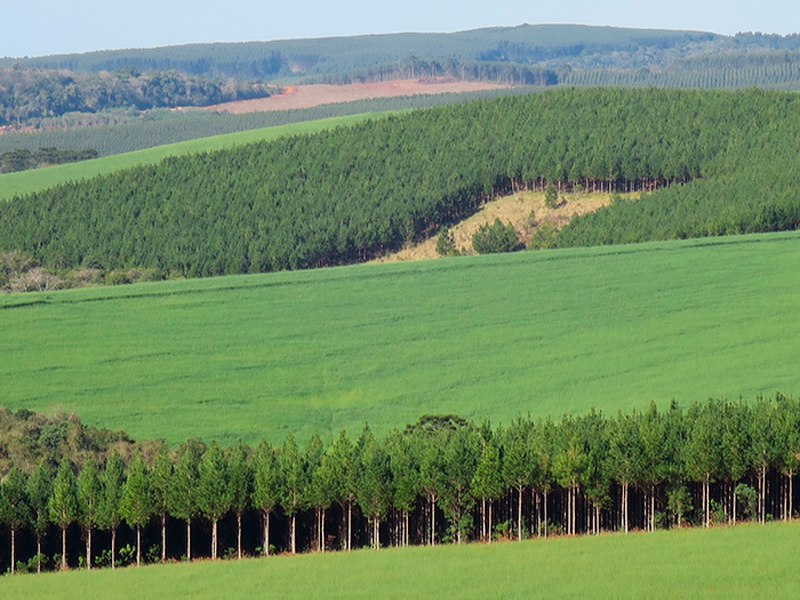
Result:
pixel 749 561
pixel 496 336
pixel 27 182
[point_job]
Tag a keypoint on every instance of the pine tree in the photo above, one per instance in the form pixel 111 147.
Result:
pixel 15 509
pixel 136 506
pixel 90 495
pixel 213 493
pixel 40 488
pixel 109 517
pixel 160 481
pixel 183 494
pixel 241 488
pixel 265 486
pixel 63 506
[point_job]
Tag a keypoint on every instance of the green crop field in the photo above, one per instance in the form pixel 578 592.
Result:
pixel 749 561
pixel 544 333
pixel 27 182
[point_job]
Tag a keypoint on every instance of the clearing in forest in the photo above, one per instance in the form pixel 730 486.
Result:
pixel 308 96
pixel 526 211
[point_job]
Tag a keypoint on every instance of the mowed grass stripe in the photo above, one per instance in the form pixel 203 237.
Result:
pixel 492 337
pixel 749 561
pixel 27 182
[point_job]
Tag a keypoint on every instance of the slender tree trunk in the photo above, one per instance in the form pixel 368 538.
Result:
pixel 214 540
pixel 163 538
pixel 791 490
pixel 433 520
pixel 189 539
pixel 13 550
pixel 293 533
pixel 89 549
pixel 734 510
pixel 652 508
pixel 266 532
pixel 113 548
pixel 707 499
pixel 138 545
pixel 349 525
pixel 376 533
pixel 625 507
pixel 519 515
pixel 489 536
pixel 544 498
pixel 322 536
pixel 38 553
pixel 63 548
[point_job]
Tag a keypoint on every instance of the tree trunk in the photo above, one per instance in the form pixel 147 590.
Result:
pixel 213 539
pixel 293 533
pixel 138 545
pixel 349 525
pixel 625 507
pixel 489 536
pixel 544 501
pixel 63 548
pixel 38 553
pixel 376 533
pixel 734 509
pixel 322 536
pixel 266 532
pixel 89 549
pixel 113 548
pixel 433 520
pixel 189 539
pixel 519 515
pixel 164 538
pixel 13 550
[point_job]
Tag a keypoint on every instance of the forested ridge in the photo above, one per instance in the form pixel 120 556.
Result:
pixel 439 480
pixel 728 160
pixel 35 93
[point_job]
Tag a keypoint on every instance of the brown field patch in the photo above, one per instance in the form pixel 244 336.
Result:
pixel 308 96
pixel 515 209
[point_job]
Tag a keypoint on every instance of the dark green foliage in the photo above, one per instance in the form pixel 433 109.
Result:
pixel 267 206
pixel 446 244
pixel 34 93
pixel 494 238
pixel 22 160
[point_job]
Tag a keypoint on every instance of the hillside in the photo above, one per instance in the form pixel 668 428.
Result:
pixel 743 562
pixel 715 162
pixel 543 333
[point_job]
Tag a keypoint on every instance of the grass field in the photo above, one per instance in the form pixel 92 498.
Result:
pixel 749 561
pixel 26 182
pixel 496 336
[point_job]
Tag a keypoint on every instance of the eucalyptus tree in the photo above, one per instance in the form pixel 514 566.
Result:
pixel 596 477
pixel 183 490
pixel 292 472
pixel 90 499
pixel 702 452
pixel 344 470
pixel 569 466
pixel 764 434
pixel 432 474
pixel 542 442
pixel 160 482
pixel 15 508
pixel 240 482
pixel 788 443
pixel 109 516
pixel 213 492
pixel 735 450
pixel 136 506
pixel 266 492
pixel 316 490
pixel 63 505
pixel 40 488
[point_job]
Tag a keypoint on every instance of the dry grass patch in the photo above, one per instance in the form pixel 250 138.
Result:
pixel 526 211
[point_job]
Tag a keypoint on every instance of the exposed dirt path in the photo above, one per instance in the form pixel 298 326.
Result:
pixel 516 210
pixel 308 96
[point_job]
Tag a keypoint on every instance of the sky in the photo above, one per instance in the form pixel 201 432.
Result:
pixel 41 27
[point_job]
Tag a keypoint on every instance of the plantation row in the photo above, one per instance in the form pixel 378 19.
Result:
pixel 440 479
pixel 349 195
pixel 129 133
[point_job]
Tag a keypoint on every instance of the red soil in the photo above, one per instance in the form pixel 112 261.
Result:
pixel 307 96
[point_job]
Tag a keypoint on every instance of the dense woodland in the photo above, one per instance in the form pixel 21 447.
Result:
pixel 23 160
pixel 33 93
pixel 727 160
pixel 437 481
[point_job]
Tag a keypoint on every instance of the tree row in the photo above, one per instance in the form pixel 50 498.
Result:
pixel 441 479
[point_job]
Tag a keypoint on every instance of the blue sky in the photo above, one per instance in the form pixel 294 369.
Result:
pixel 38 27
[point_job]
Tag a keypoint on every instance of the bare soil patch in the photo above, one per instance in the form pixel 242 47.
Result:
pixel 308 96
pixel 515 209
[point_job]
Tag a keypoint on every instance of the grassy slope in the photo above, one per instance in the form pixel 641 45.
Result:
pixel 26 182
pixel 545 333
pixel 749 561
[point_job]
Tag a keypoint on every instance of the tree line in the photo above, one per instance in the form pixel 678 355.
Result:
pixel 352 194
pixel 27 93
pixel 441 480
pixel 22 159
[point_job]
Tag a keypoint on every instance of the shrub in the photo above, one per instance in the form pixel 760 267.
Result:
pixel 498 237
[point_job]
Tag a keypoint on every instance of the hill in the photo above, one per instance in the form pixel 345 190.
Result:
pixel 742 562
pixel 720 162
pixel 483 337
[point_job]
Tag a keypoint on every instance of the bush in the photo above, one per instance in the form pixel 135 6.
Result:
pixel 446 244
pixel 498 237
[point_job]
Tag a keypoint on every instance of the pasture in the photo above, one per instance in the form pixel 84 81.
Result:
pixel 497 336
pixel 749 561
